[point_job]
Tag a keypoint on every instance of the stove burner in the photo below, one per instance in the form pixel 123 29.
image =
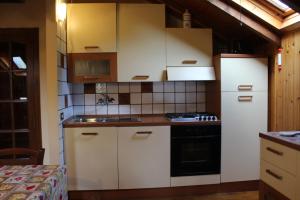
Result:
pixel 191 117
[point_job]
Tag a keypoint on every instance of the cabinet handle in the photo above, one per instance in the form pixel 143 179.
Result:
pixel 245 98
pixel 189 62
pixel 91 47
pixel 144 132
pixel 140 77
pixel 89 134
pixel 275 151
pixel 245 87
pixel 273 174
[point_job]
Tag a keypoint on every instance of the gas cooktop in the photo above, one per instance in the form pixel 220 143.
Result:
pixel 191 117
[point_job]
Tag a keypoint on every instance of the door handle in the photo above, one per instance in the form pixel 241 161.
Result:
pixel 278 177
pixel 89 134
pixel 189 62
pixel 245 98
pixel 140 77
pixel 91 47
pixel 245 87
pixel 144 132
pixel 279 153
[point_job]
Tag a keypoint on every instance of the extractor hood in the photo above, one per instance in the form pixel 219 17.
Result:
pixel 190 73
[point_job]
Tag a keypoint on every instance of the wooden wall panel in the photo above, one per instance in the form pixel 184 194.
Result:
pixel 285 86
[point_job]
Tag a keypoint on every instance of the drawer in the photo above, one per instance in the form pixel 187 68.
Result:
pixel 279 155
pixel 280 180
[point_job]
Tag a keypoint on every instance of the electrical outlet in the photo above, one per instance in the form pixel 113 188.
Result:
pixel 62 116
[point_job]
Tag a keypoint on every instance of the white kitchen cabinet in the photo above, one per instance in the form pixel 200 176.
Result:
pixel 189 47
pixel 144 157
pixel 239 74
pixel 91 27
pixel 243 117
pixel 91 158
pixel 141 42
pixel 244 113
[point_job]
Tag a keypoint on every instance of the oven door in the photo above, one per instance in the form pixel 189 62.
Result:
pixel 195 155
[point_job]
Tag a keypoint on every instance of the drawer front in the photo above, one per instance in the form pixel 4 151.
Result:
pixel 279 155
pixel 280 180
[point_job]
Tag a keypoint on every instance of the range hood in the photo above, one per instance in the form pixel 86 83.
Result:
pixel 190 73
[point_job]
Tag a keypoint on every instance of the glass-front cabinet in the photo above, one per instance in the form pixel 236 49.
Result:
pixel 92 67
pixel 18 98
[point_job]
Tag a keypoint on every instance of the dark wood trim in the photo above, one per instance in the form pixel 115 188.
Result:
pixel 267 192
pixel 111 57
pixel 165 192
pixel 228 55
pixel 281 140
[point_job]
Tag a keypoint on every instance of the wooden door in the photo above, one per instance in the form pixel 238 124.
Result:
pixel 19 89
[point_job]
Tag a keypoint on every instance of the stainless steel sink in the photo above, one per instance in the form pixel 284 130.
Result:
pixel 83 119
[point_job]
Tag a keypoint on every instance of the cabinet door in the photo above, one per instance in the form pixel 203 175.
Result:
pixel 244 115
pixel 241 74
pixel 91 157
pixel 141 42
pixel 91 27
pixel 144 157
pixel 189 47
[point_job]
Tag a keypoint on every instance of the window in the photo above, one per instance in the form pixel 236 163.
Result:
pixel 278 4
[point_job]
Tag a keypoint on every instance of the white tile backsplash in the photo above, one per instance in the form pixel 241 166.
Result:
pixel 146 98
pixel 158 86
pixel 179 97
pixel 89 99
pixel 180 86
pixel 112 88
pixel 169 86
pixel 169 97
pixel 135 87
pixel 158 97
pixel 123 87
pixel 166 97
pixel 135 98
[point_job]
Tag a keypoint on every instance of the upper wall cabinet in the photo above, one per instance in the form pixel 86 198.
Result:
pixel 189 47
pixel 91 27
pixel 141 42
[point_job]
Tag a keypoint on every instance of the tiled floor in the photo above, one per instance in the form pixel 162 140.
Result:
pixel 223 196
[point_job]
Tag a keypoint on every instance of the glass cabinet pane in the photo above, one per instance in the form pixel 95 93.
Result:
pixel 19 61
pixel 4 56
pixel 22 139
pixel 19 79
pixel 6 140
pixel 92 67
pixel 5 116
pixel 21 115
pixel 4 86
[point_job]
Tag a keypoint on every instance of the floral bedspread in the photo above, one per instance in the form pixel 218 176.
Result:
pixel 33 182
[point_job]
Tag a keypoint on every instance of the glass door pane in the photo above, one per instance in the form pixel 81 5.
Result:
pixel 19 82
pixel 92 67
pixel 20 115
pixel 4 85
pixel 22 139
pixel 5 116
pixel 6 140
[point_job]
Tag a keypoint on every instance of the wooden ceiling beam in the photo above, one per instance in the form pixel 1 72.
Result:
pixel 255 26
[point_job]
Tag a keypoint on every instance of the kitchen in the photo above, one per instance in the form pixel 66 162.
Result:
pixel 172 102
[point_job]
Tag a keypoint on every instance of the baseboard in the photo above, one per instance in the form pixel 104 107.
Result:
pixel 164 192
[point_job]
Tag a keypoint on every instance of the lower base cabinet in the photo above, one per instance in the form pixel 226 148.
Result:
pixel 108 158
pixel 144 157
pixel 268 193
pixel 91 158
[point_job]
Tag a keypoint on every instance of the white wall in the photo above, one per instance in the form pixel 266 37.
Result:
pixel 40 14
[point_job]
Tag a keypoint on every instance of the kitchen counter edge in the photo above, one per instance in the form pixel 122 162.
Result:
pixel 286 141
pixel 149 120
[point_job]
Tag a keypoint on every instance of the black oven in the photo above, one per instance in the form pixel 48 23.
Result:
pixel 195 150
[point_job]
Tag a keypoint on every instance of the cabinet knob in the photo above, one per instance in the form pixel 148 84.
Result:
pixel 245 87
pixel 245 98
pixel 91 47
pixel 273 174
pixel 144 132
